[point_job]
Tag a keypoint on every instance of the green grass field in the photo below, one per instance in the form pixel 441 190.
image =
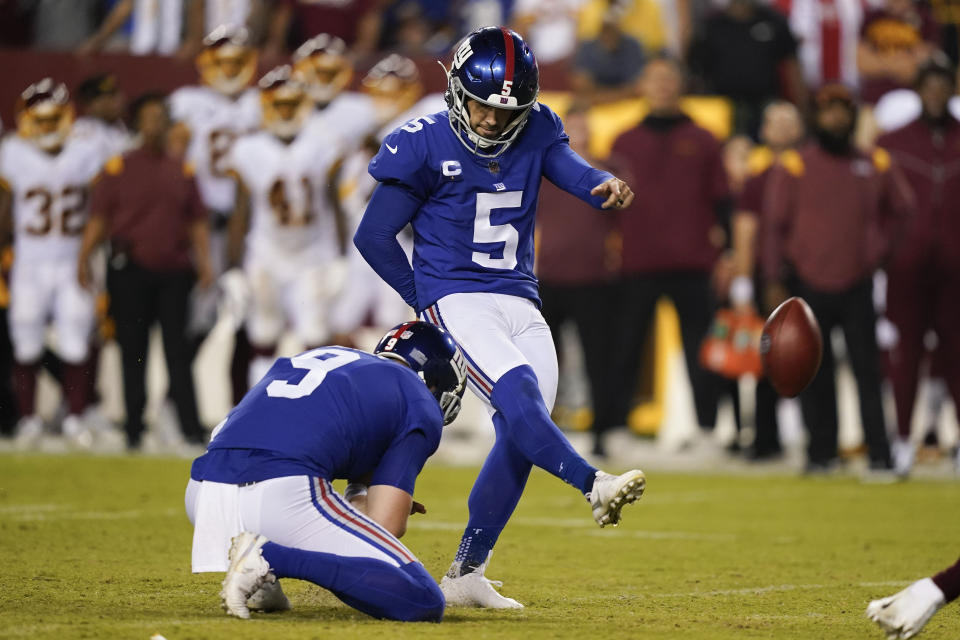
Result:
pixel 100 548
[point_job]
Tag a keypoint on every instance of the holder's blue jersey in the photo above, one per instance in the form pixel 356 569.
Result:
pixel 331 413
pixel 474 227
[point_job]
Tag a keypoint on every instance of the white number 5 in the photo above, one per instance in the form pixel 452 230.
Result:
pixel 318 363
pixel 483 231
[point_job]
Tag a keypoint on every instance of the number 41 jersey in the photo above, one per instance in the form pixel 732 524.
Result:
pixel 474 229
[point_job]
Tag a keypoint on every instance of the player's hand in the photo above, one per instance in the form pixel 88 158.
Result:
pixel 618 194
pixel 416 507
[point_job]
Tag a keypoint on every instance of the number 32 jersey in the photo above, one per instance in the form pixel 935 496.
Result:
pixel 50 196
pixel 474 229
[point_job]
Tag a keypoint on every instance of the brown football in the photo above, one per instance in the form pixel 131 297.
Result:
pixel 791 347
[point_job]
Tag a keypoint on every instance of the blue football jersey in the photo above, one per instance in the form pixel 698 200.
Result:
pixel 332 413
pixel 474 229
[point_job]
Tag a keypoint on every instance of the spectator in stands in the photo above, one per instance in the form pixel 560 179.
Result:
pixel 673 235
pixel 781 131
pixel 204 16
pixel 578 262
pixel 550 26
pixel 607 69
pixel 638 19
pixel 742 53
pixel 828 32
pixel 63 25
pixel 830 214
pixel 894 41
pixel 101 107
pixel 923 277
pixel 148 205
pixel 155 28
pixel 357 22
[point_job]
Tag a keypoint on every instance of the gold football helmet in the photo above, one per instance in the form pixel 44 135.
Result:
pixel 44 114
pixel 322 64
pixel 394 84
pixel 286 105
pixel 227 62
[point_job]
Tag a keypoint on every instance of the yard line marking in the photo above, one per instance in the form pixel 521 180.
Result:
pixel 747 591
pixel 19 508
pixel 41 516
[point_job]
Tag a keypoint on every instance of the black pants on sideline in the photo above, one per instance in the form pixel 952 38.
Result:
pixel 852 310
pixel 589 306
pixel 691 295
pixel 138 298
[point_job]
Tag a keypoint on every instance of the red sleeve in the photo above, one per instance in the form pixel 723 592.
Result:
pixel 102 200
pixel 778 204
pixel 899 204
pixel 751 198
pixel 719 180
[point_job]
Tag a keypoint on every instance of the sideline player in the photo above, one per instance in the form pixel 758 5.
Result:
pixel 48 174
pixel 905 613
pixel 467 180
pixel 326 414
pixel 283 229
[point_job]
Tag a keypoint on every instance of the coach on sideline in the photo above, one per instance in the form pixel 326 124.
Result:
pixel 147 205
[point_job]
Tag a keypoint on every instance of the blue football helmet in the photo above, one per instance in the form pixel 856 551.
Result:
pixel 492 65
pixel 435 356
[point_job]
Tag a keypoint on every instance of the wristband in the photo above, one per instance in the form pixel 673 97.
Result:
pixel 354 490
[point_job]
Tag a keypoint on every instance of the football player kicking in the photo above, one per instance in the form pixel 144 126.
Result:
pixel 467 179
pixel 47 175
pixel 329 413
pixel 905 613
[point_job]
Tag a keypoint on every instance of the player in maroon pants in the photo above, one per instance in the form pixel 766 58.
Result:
pixel 924 271
pixel 903 614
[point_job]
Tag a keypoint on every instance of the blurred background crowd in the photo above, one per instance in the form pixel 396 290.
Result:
pixel 782 147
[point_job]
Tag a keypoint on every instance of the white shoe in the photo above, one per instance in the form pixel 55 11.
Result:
pixel 269 597
pixel 474 589
pixel 29 430
pixel 611 493
pixel 904 453
pixel 247 573
pixel 903 614
pixel 76 432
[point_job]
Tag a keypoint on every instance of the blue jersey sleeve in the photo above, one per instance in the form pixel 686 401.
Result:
pixel 390 209
pixel 565 168
pixel 403 461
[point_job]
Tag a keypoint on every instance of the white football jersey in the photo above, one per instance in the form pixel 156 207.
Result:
pixel 289 214
pixel 215 122
pixel 113 140
pixel 51 195
pixel 351 116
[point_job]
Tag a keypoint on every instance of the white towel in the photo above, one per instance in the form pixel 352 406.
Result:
pixel 217 521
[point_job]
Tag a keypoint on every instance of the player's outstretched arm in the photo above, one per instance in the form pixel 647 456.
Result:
pixel 566 169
